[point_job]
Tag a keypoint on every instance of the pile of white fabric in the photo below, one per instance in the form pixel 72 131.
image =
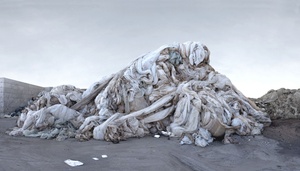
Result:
pixel 172 91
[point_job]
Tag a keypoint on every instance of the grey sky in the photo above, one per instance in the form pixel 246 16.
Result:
pixel 255 43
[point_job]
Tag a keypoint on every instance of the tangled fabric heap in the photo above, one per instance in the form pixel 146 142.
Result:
pixel 172 91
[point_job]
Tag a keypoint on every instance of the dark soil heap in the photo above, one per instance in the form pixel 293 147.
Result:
pixel 281 103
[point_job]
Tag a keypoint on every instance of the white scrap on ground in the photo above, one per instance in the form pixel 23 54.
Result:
pixel 104 156
pixel 157 136
pixel 171 91
pixel 73 163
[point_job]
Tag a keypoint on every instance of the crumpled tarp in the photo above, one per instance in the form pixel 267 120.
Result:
pixel 172 90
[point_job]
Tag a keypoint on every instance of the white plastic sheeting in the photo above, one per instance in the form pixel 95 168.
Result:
pixel 172 90
pixel 73 163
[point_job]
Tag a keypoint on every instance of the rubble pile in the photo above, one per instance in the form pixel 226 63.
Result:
pixel 171 91
pixel 281 103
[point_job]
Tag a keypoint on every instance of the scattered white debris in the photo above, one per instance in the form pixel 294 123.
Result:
pixel 7 116
pixel 185 140
pixel 73 163
pixel 157 136
pixel 165 133
pixel 95 158
pixel 104 156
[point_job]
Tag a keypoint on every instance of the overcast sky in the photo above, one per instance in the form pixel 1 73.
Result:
pixel 255 43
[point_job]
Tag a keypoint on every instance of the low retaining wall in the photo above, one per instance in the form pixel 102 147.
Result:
pixel 14 94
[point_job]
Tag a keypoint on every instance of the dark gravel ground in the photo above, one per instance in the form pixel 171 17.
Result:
pixel 276 150
pixel 287 133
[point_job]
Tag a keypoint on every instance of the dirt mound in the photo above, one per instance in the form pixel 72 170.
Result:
pixel 281 103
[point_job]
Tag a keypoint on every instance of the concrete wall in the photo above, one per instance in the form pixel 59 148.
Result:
pixel 14 94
